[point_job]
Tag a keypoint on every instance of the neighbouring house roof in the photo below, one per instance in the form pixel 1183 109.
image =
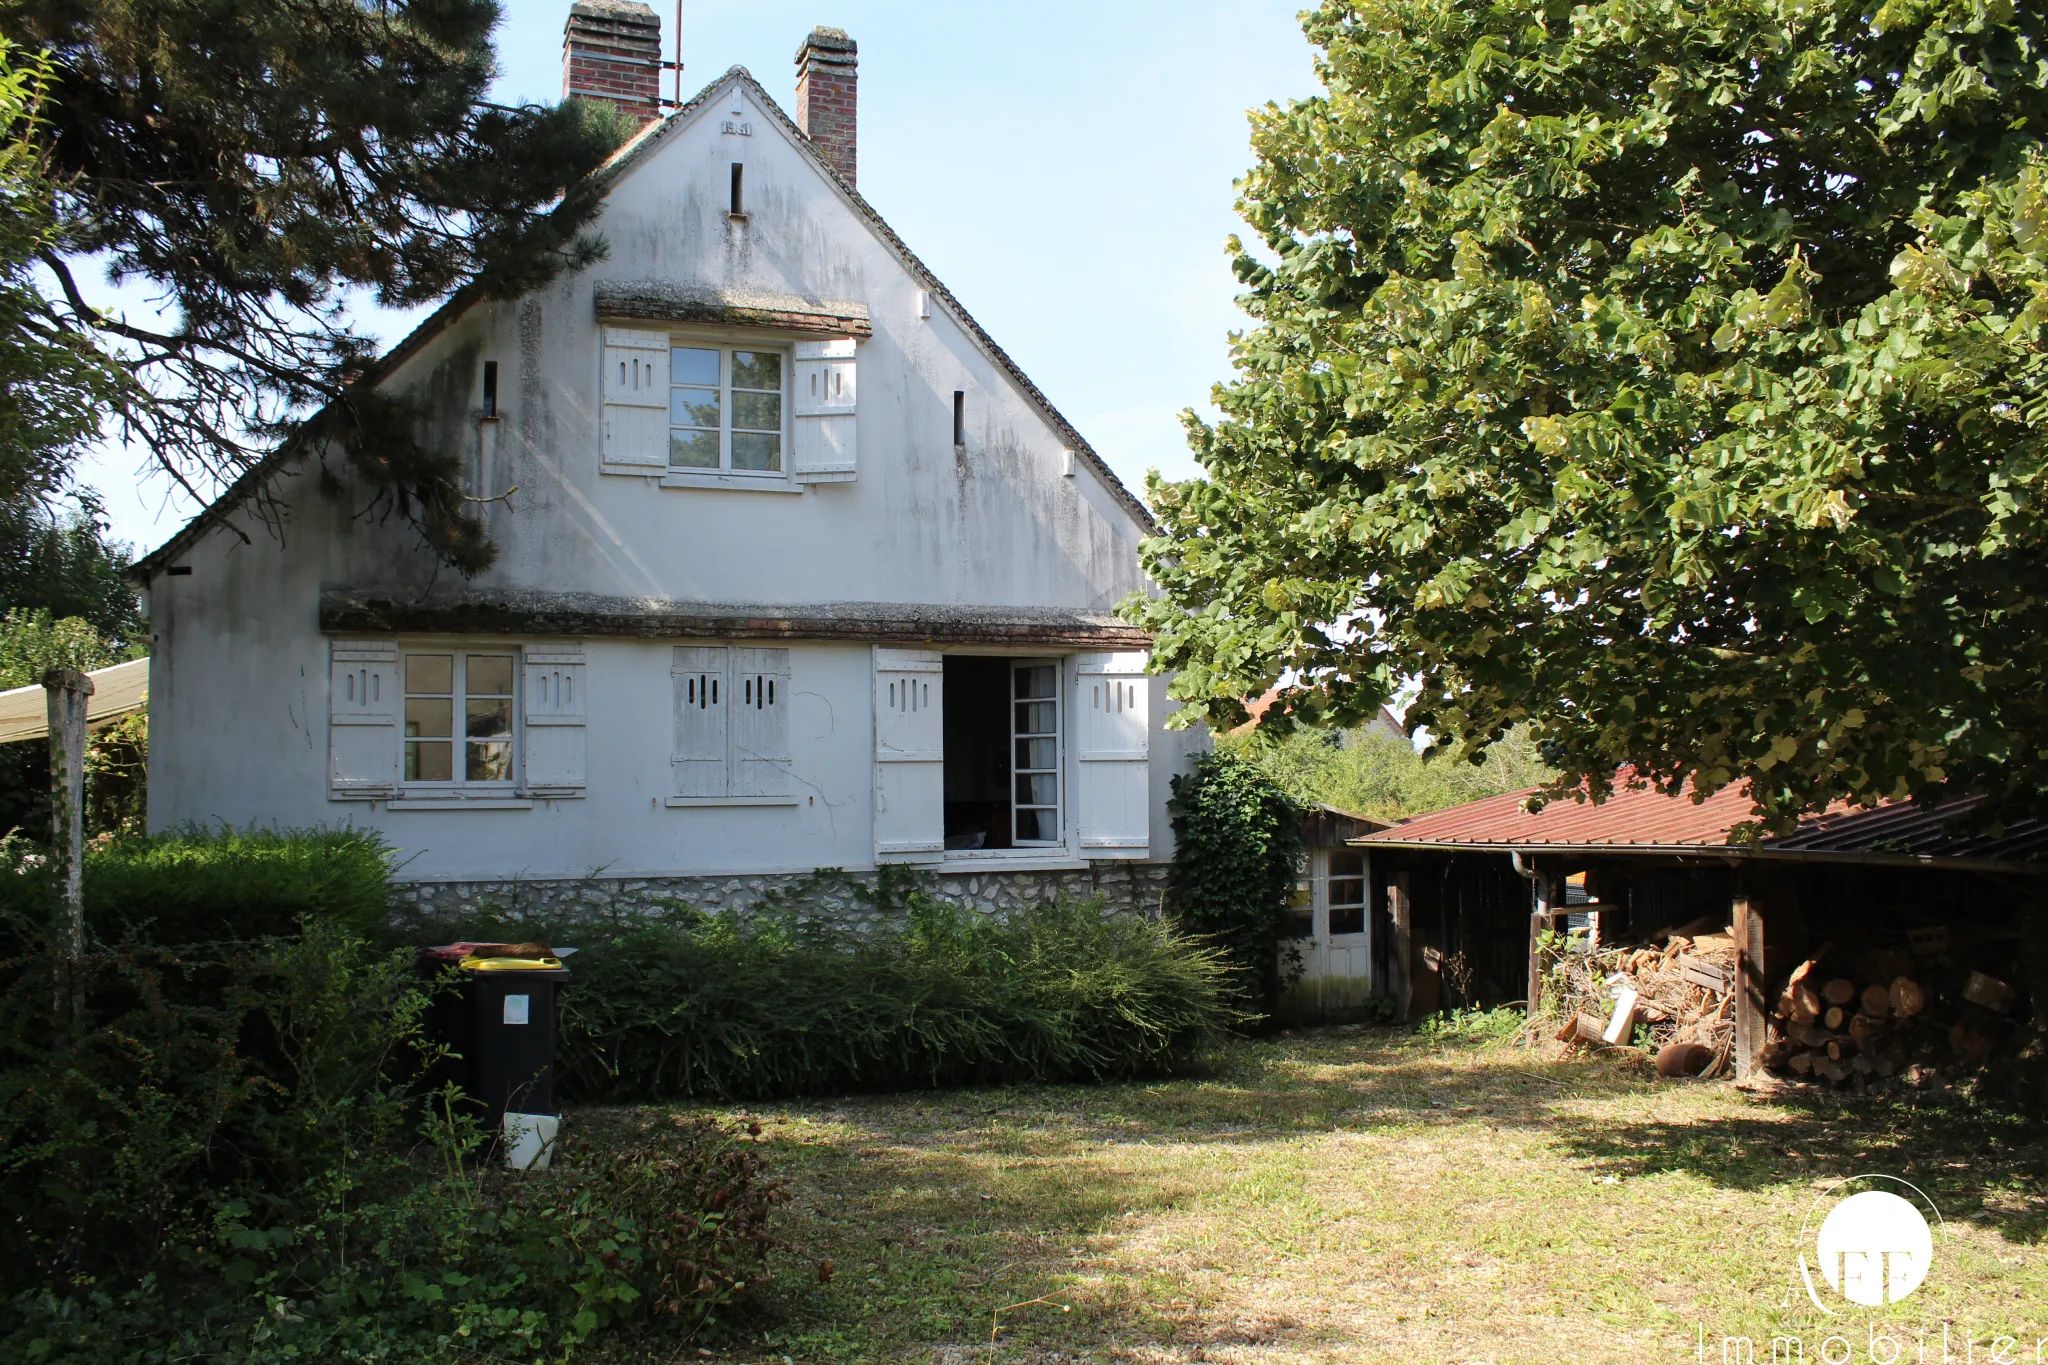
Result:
pixel 1385 723
pixel 635 150
pixel 117 691
pixel 1641 820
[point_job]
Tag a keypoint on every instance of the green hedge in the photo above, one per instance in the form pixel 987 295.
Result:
pixel 199 885
pixel 932 994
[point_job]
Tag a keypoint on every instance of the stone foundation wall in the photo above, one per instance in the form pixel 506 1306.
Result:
pixel 1137 887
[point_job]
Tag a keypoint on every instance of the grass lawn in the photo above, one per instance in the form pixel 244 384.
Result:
pixel 1374 1197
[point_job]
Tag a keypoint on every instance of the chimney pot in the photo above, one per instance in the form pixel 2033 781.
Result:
pixel 611 50
pixel 827 83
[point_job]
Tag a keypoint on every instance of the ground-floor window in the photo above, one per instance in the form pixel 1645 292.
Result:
pixel 1003 751
pixel 458 718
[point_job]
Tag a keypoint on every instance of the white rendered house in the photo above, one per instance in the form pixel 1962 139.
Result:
pixel 800 570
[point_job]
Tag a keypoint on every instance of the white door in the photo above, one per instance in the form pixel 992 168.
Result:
pixel 1337 960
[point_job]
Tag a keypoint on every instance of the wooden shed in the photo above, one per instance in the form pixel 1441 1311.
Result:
pixel 1470 889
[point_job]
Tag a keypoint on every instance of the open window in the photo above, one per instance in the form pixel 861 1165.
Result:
pixel 1003 782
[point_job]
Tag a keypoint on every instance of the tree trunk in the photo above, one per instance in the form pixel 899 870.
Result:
pixel 67 691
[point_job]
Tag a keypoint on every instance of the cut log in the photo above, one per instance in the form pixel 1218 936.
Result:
pixel 1834 1071
pixel 1971 1047
pixel 1774 1055
pixel 1863 1064
pixel 1877 1001
pixel 1683 1059
pixel 1863 1028
pixel 1839 991
pixel 1802 1063
pixel 1987 991
pixel 1840 1048
pixel 1908 999
pixel 1589 1027
pixel 1806 1005
pixel 1835 1017
pixel 1811 1035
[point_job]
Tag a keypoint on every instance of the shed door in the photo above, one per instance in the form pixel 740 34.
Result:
pixel 910 766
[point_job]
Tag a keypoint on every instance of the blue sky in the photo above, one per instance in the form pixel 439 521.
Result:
pixel 1064 167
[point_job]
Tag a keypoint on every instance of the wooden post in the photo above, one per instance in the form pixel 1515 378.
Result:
pixel 67 691
pixel 1748 932
pixel 1401 909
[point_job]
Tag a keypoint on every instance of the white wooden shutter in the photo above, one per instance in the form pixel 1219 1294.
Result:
pixel 699 672
pixel 636 398
pixel 1112 749
pixel 362 719
pixel 824 410
pixel 910 755
pixel 760 722
pixel 556 712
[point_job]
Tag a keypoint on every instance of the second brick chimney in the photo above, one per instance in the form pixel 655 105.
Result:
pixel 611 50
pixel 827 80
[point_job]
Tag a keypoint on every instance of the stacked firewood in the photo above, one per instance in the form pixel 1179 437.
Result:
pixel 1899 1016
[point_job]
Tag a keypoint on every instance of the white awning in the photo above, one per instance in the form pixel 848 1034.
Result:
pixel 117 691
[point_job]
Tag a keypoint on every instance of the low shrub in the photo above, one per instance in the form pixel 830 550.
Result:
pixel 198 885
pixel 930 994
pixel 220 1154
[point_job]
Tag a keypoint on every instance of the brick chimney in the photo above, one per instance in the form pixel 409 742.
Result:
pixel 827 79
pixel 611 50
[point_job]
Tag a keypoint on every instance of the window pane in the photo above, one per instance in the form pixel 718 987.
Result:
pixel 693 408
pixel 1036 681
pixel 1347 862
pixel 1042 826
pixel 1037 753
pixel 429 761
pixel 489 717
pixel 430 673
pixel 490 675
pixel 1038 789
pixel 687 365
pixel 1034 718
pixel 693 449
pixel 757 370
pixel 1347 891
pixel 756 450
pixel 1300 923
pixel 429 717
pixel 1347 921
pixel 490 762
pixel 757 411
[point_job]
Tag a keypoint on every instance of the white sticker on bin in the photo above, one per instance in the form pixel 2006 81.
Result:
pixel 518 1010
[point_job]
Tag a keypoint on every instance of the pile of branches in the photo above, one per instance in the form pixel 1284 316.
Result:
pixel 1679 994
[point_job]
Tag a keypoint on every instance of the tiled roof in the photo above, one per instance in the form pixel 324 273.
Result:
pixel 1644 820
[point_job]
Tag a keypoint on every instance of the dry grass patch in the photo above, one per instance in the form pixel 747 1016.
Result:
pixel 1371 1197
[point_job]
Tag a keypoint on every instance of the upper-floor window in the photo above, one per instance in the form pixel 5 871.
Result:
pixel 458 718
pixel 725 409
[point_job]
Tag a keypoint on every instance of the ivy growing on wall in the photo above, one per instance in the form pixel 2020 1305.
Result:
pixel 1237 852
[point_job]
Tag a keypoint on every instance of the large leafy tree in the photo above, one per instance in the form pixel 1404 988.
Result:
pixel 261 169
pixel 1667 374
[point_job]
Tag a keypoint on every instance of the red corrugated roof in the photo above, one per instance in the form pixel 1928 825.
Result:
pixel 1641 817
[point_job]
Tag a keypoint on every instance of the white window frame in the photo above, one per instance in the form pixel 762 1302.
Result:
pixel 725 342
pixel 1059 761
pixel 458 787
pixel 1064 854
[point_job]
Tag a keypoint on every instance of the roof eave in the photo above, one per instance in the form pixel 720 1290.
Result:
pixel 1717 852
